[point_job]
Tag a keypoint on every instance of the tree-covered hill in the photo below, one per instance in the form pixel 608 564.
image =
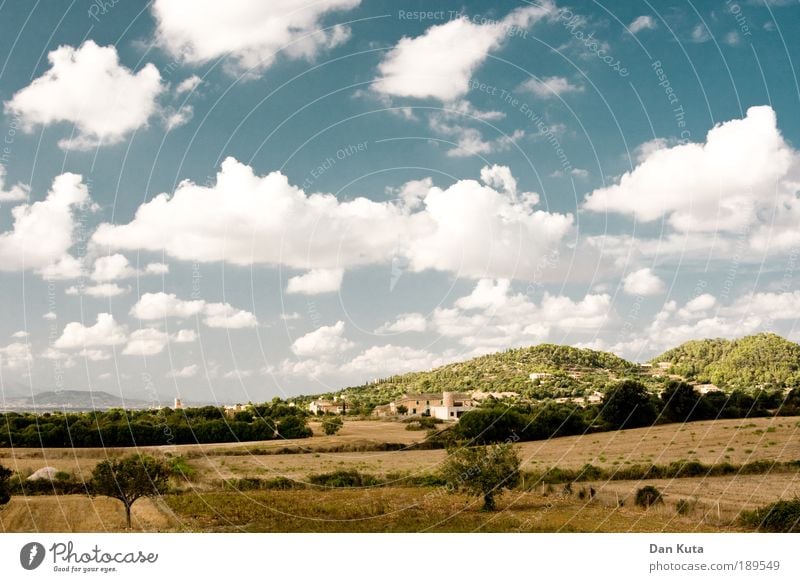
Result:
pixel 764 360
pixel 566 371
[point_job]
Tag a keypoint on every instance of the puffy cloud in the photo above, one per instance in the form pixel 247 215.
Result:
pixel 16 356
pixel 112 268
pixel 717 186
pixel 44 231
pixel 388 359
pixel 550 87
pixel 162 305
pixel 174 118
pixel 156 269
pixel 226 316
pixel 15 193
pixel 146 342
pixel 185 336
pixel 327 340
pixel 494 317
pixel 250 32
pixel 316 281
pixel 105 332
pixel 643 282
pixel 247 219
pixel 406 322
pixel 50 316
pixel 641 23
pixel 469 141
pixel 188 85
pixel 439 63
pixel 21 334
pixel 94 355
pixel 101 290
pixel 87 87
pixel 189 371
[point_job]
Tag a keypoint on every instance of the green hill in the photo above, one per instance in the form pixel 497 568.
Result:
pixel 764 360
pixel 567 371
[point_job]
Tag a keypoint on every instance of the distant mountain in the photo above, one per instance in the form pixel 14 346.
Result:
pixel 73 400
pixel 764 360
pixel 559 370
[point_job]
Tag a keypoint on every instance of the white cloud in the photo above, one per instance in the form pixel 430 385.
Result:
pixel 732 38
pixel 163 305
pixel 44 231
pixel 20 334
pixel 237 374
pixel 407 322
pixel 101 290
pixel 174 118
pixel 105 332
pixel 188 85
pixel 16 356
pixel 246 219
pixel 250 32
pixel 641 23
pixel 439 63
pixel 94 355
pixel 290 316
pixel 327 340
pixel 50 316
pixel 15 193
pixel 156 269
pixel 643 282
pixel 700 34
pixel 112 268
pixel 152 306
pixel 550 87
pixel 381 361
pixel 189 371
pixel 146 342
pixel 469 141
pixel 226 316
pixel 717 186
pixel 185 336
pixel 316 281
pixel 87 87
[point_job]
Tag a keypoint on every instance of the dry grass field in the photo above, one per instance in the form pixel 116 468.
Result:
pixel 710 503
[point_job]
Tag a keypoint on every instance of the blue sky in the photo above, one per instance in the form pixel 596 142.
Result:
pixel 232 201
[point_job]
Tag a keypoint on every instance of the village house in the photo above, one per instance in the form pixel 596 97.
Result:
pixel 445 406
pixel 453 406
pixel 706 388
pixel 327 407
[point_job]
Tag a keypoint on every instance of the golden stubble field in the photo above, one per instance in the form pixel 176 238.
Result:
pixel 714 502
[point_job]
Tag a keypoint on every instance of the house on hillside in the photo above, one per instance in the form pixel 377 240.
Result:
pixel 327 407
pixel 453 406
pixel 417 404
pixel 539 375
pixel 444 405
pixel 706 388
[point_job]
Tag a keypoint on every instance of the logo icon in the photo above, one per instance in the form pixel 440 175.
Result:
pixel 31 555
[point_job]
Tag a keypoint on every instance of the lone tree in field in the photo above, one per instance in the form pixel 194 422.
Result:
pixel 482 471
pixel 130 478
pixel 332 424
pixel 5 494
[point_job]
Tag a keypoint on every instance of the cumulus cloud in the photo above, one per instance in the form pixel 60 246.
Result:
pixel 439 63
pixel 247 219
pixel 16 356
pixel 15 193
pixel 407 322
pixel 43 232
pixel 112 268
pixel 550 87
pixel 316 281
pixel 327 340
pixel 249 32
pixel 156 269
pixel 146 342
pixel 643 282
pixel 185 336
pixel 717 186
pixel 153 306
pixel 188 85
pixel 105 332
pixel 89 88
pixel 641 23
pixel 379 361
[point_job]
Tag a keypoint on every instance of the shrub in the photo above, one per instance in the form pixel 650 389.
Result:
pixel 332 424
pixel 648 496
pixel 685 506
pixel 482 471
pixel 780 517
pixel 343 478
pixel 180 468
pixel 5 492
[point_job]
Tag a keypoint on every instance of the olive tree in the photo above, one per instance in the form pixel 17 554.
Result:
pixel 332 424
pixel 130 478
pixel 482 471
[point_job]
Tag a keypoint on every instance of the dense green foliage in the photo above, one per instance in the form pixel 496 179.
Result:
pixel 648 496
pixel 780 517
pixel 764 360
pixel 130 478
pixel 628 405
pixel 332 424
pixel 123 428
pixel 482 471
pixel 5 493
